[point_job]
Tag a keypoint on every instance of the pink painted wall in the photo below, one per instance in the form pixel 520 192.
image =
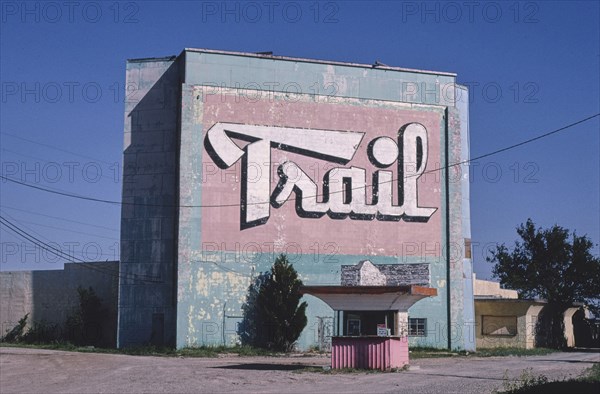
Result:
pixel 381 353
pixel 291 233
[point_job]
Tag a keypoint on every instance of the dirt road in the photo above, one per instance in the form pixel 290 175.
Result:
pixel 35 371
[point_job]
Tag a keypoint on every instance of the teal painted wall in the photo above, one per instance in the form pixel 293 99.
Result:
pixel 210 285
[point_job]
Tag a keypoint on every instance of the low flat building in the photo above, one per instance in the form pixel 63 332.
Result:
pixel 48 297
pixel 504 320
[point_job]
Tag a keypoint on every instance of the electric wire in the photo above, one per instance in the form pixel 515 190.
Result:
pixel 58 218
pixel 65 256
pixel 54 162
pixel 55 147
pixel 67 230
pixel 59 253
pixel 303 197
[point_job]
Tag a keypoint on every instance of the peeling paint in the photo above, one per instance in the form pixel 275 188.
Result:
pixel 367 100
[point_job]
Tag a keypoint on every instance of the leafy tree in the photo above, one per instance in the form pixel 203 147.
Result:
pixel 553 265
pixel 280 319
pixel 84 326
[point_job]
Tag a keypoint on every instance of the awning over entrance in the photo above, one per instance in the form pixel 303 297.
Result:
pixel 369 298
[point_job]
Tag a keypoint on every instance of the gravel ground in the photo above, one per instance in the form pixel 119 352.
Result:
pixel 35 371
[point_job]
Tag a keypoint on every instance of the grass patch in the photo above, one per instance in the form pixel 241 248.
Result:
pixel 512 351
pixel 527 383
pixel 66 346
pixel 592 374
pixel 426 352
pixel 249 351
pixel 203 351
pixel 430 352
pixel 215 351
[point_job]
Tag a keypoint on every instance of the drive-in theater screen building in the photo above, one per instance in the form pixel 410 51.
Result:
pixel 233 158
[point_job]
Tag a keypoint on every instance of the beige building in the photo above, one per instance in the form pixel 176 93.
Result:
pixel 502 319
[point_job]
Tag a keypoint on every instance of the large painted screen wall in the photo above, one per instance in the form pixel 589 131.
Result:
pixel 315 176
pixel 329 163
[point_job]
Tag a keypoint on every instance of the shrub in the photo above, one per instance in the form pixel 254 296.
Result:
pixel 16 333
pixel 84 326
pixel 280 317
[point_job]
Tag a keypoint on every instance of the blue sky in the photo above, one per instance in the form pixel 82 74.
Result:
pixel 532 67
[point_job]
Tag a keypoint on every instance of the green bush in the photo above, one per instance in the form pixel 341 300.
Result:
pixel 276 316
pixel 42 332
pixel 16 333
pixel 84 325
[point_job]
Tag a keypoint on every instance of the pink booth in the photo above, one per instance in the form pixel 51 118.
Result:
pixel 370 323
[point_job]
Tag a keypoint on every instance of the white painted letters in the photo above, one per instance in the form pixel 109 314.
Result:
pixel 344 189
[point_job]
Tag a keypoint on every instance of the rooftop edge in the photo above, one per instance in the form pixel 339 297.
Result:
pixel 295 59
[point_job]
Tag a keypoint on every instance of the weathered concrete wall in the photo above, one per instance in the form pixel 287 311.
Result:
pixel 149 213
pixel 526 314
pixel 569 327
pixel 51 296
pixel 392 275
pixel 492 289
pixel 329 122
pixel 468 312
pixel 218 258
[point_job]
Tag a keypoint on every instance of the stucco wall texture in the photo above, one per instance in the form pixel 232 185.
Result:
pixel 51 295
pixel 524 312
pixel 232 158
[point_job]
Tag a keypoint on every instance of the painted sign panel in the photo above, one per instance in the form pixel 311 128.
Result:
pixel 382 330
pixel 286 175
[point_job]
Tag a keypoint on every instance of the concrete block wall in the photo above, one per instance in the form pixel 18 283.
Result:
pixel 394 274
pixel 149 213
pixel 50 296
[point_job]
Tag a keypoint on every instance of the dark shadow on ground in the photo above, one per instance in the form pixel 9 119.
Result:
pixel 418 372
pixel 569 361
pixel 585 349
pixel 268 367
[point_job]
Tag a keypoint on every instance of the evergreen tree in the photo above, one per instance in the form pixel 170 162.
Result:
pixel 279 317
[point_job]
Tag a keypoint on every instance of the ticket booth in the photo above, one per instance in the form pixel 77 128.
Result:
pixel 371 323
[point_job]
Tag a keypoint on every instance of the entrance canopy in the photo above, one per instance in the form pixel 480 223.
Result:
pixel 369 298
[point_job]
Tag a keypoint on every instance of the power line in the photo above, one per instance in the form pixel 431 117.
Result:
pixel 51 189
pixel 111 257
pixel 59 253
pixel 54 147
pixel 26 227
pixel 64 256
pixel 51 162
pixel 305 197
pixel 58 218
pixel 36 232
pixel 539 137
pixel 68 230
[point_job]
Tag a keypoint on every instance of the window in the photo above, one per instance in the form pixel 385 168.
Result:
pixel 417 327
pixel 499 325
pixel 353 327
